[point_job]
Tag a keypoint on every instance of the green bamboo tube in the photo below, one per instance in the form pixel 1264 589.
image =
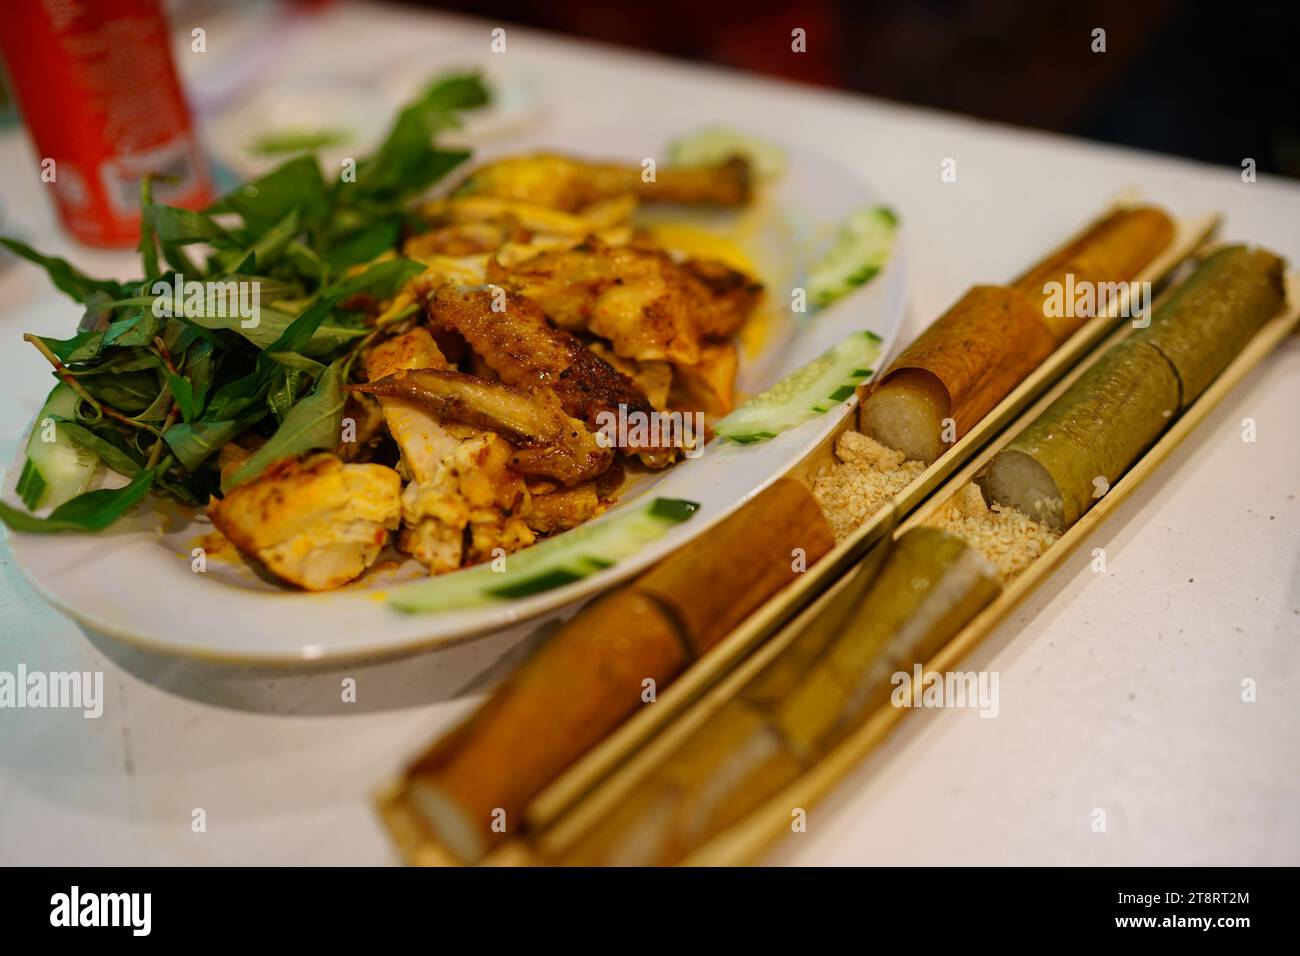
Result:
pixel 932 584
pixel 1083 443
pixel 1086 440
pixel 1212 315
pixel 721 773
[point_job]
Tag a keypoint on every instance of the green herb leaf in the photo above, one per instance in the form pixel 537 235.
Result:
pixel 130 392
pixel 302 330
pixel 291 384
pixel 312 423
pixel 267 249
pixel 139 330
pixel 194 442
pixel 262 203
pixel 298 141
pixel 364 244
pixel 184 226
pixel 148 245
pixel 294 360
pixel 381 280
pixel 82 347
pixel 183 393
pixel 406 163
pixel 199 372
pixel 70 281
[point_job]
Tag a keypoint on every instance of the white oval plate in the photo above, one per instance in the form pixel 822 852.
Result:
pixel 134 581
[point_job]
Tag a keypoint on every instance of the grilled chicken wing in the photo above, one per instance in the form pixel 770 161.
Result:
pixel 314 522
pixel 562 182
pixel 653 378
pixel 549 442
pixel 524 349
pixel 649 307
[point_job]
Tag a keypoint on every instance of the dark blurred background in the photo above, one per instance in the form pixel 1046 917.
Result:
pixel 1216 82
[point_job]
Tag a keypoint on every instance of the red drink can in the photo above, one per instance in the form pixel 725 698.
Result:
pixel 97 87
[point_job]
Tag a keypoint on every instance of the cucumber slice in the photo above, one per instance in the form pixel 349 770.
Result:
pixel 549 564
pixel 714 145
pixel 55 470
pixel 861 250
pixel 806 392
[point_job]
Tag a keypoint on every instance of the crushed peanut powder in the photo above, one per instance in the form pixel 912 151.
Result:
pixel 1010 539
pixel 866 476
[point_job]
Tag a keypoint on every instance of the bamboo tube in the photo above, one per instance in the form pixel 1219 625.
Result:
pixel 993 337
pixel 931 585
pixel 1069 457
pixel 928 586
pixel 1085 441
pixel 780 677
pixel 586 677
pixel 713 780
pixel 1211 316
pixel 713 586
pixel 958 369
pixel 591 675
pixel 1113 250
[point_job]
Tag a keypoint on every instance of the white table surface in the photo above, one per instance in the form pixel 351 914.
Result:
pixel 1119 691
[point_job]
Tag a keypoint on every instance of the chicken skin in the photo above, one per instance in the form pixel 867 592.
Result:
pixel 513 338
pixel 549 442
pixel 649 307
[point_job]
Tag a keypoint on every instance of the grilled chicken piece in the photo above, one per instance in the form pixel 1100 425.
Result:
pixel 562 509
pixel 734 293
pixel 477 488
pixel 461 477
pixel 653 378
pixel 525 350
pixel 314 522
pixel 434 514
pixel 420 434
pixel 649 307
pixel 562 182
pixel 549 442
pixel 710 384
pixel 368 420
pixel 465 270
